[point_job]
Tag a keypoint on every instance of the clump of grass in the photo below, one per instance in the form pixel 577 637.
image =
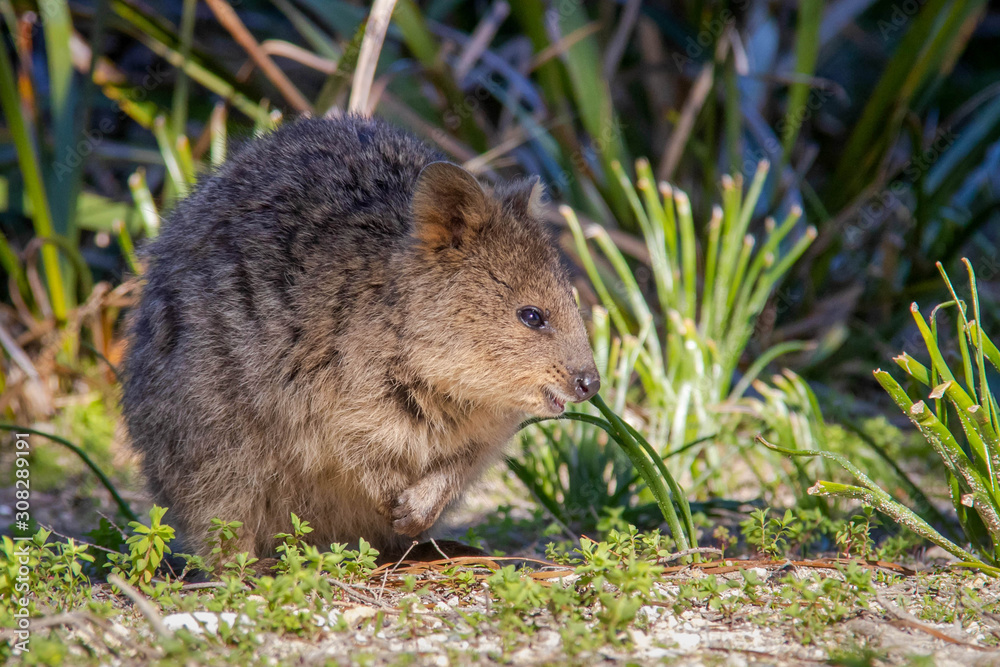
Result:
pixel 691 343
pixel 959 419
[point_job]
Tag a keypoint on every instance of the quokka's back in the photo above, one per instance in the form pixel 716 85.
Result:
pixel 338 324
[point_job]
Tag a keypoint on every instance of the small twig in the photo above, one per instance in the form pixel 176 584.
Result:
pixel 283 49
pixel 480 39
pixel 231 21
pixel 17 355
pixel 905 619
pixel 371 47
pixel 385 576
pixel 37 288
pixel 416 123
pixel 616 47
pixel 556 49
pixel 143 605
pixel 689 552
pixel 121 531
pixel 347 588
pixel 203 584
pixel 438 549
pixel 23 312
pixel 78 541
pixel 689 113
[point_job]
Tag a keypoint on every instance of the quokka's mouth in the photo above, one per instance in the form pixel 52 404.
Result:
pixel 554 402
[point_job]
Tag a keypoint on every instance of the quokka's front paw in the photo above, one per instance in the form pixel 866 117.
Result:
pixel 415 510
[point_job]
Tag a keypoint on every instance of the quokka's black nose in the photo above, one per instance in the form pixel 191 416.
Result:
pixel 587 385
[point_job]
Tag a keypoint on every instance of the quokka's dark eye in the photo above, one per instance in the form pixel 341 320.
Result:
pixel 531 317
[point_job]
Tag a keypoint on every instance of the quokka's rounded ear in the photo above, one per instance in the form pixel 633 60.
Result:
pixel 449 205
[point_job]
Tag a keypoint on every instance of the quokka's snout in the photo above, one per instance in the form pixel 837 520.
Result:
pixel 586 384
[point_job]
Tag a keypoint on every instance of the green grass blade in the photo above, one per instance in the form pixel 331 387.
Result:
pixel 144 203
pixel 315 37
pixel 764 258
pixel 873 495
pixel 914 368
pixel 122 505
pixel 426 48
pixel 637 301
pixel 739 275
pixel 990 351
pixel 12 267
pixel 749 203
pixel 903 516
pixel 58 26
pixel 918 59
pixel 689 256
pixel 675 488
pixel 984 384
pixel 32 174
pixel 640 459
pixel 659 254
pixel 175 172
pixel 591 268
pixel 761 362
pixel 954 390
pixel 807 42
pixel 182 85
pixel 148 31
pixel 653 472
pixel 217 149
pixel 189 170
pixel 944 443
pixel 127 247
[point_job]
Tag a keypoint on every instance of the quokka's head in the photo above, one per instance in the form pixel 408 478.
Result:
pixel 493 317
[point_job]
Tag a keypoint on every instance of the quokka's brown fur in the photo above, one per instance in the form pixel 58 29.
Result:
pixel 332 325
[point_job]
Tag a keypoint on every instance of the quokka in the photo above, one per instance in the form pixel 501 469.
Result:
pixel 340 324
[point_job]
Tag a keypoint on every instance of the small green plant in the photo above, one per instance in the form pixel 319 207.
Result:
pixel 724 539
pixel 815 603
pixel 768 534
pixel 108 538
pixel 855 536
pixel 300 529
pixel 147 547
pixel 65 564
pixel 515 597
pixel 350 564
pixel 225 534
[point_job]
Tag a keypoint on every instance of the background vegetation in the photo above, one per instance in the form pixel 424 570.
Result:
pixel 750 194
